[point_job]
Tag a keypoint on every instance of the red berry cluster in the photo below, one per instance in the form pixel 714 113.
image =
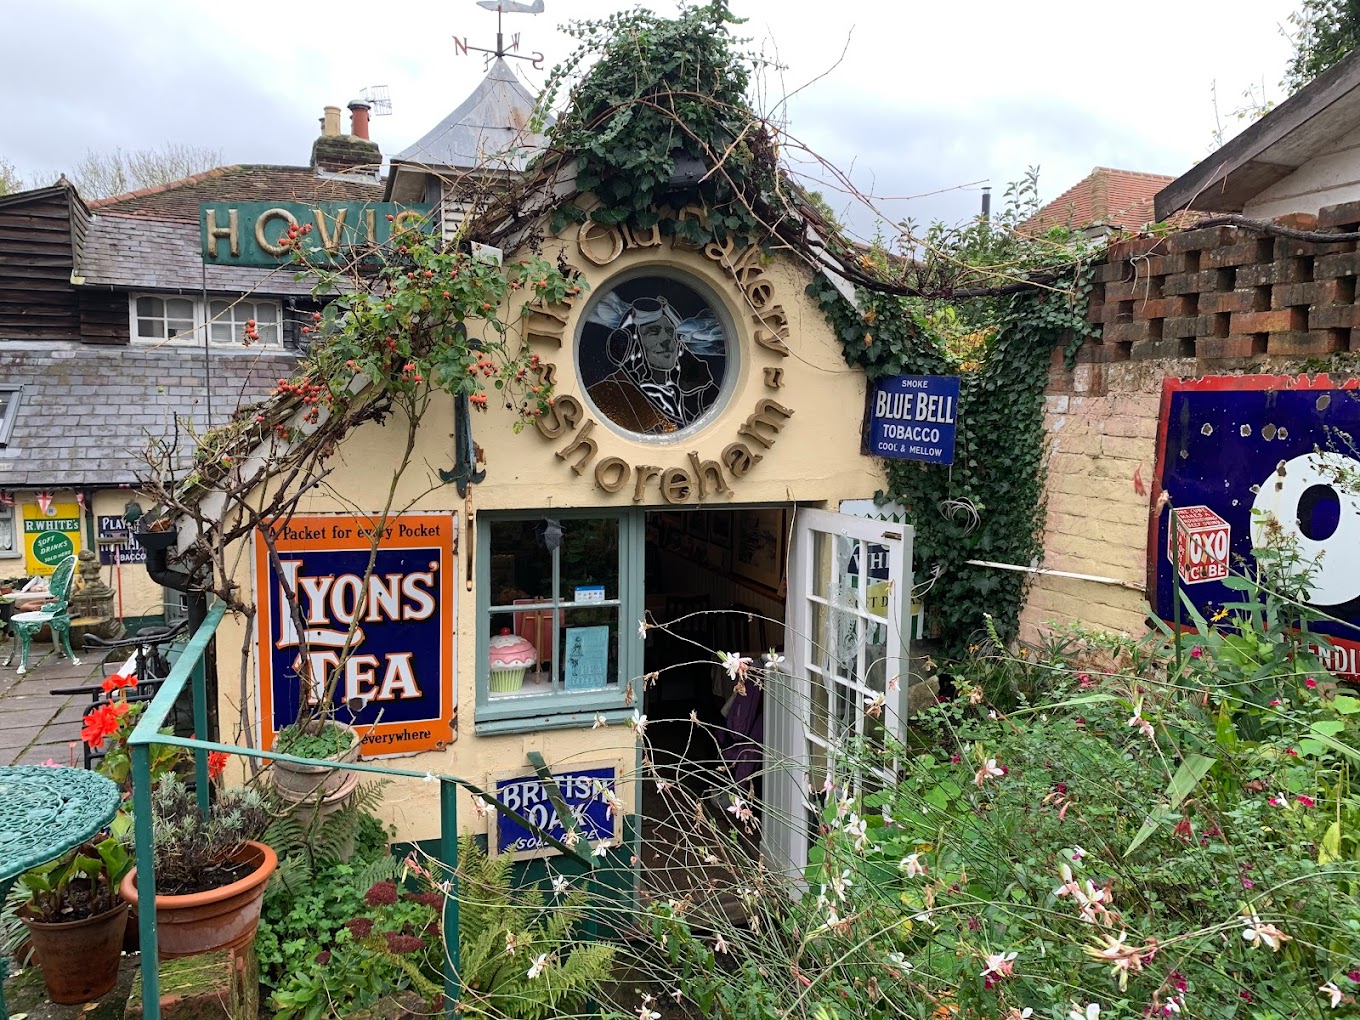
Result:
pixel 295 233
pixel 252 334
pixel 313 394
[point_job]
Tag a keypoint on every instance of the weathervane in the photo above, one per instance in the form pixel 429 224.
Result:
pixel 502 8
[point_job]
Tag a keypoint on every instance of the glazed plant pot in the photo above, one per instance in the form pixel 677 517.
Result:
pixel 298 783
pixel 221 918
pixel 79 959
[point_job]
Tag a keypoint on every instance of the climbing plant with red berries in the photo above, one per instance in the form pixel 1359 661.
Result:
pixel 417 316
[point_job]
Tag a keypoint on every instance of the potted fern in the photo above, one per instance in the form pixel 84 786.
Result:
pixel 210 872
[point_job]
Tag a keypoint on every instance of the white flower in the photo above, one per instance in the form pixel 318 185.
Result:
pixel 645 1013
pixel 1267 935
pixel 538 966
pixel 740 810
pixel 511 946
pixel 638 724
pixel 1331 991
pixel 888 819
pixel 600 721
pixel 924 918
pixel 570 838
pixel 677 995
pixel 912 865
pixel 857 828
pixel 735 663
pixel 840 883
pixel 1091 1011
pixel 643 627
pixel 894 684
pixel 602 849
pixel 772 659
pixel 873 704
pixel 1171 1006
pixel 720 946
pixel 1138 722
pixel 999 964
pixel 560 885
pixel 1078 853
pixel 900 962
pixel 990 770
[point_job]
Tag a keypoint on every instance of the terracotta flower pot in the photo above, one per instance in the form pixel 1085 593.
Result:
pixel 79 959
pixel 300 783
pixel 221 918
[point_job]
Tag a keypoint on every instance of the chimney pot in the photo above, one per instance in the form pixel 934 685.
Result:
pixel 358 118
pixel 330 123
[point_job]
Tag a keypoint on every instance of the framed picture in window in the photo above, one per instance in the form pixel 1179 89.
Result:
pixel 758 549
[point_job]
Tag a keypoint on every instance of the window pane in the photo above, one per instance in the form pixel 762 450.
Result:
pixel 588 653
pixel 221 332
pixel 590 558
pixel 179 327
pixel 218 309
pixel 521 565
pixel 180 308
pixel 269 332
pixel 266 313
pixel 149 306
pixel 151 329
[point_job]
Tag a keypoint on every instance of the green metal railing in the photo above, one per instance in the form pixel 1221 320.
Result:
pixel 189 669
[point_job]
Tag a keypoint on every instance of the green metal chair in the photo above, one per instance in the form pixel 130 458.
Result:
pixel 54 614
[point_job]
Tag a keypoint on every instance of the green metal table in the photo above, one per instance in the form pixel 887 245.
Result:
pixel 45 811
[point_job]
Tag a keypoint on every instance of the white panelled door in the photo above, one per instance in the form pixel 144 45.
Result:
pixel 847 637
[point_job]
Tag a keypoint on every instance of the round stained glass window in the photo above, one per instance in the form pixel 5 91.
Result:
pixel 653 354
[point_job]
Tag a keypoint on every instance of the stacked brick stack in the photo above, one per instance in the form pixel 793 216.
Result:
pixel 1228 293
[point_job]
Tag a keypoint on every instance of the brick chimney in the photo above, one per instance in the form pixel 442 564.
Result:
pixel 354 153
pixel 358 118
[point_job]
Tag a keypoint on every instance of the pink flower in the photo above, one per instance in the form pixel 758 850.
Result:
pixel 999 965
pixel 1305 800
pixel 1085 680
pixel 1196 652
pixel 1310 683
pixel 989 770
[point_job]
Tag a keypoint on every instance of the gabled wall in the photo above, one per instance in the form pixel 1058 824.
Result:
pixel 37 300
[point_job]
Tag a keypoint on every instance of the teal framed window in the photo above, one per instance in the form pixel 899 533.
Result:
pixel 559 595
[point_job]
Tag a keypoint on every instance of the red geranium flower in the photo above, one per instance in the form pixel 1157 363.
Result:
pixel 102 722
pixel 217 763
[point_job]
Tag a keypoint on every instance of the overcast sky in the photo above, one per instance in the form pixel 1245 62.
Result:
pixel 927 95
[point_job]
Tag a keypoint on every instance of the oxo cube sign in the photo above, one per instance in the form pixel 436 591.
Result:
pixel 1202 541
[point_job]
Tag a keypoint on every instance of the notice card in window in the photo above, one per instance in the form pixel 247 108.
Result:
pixel 587 659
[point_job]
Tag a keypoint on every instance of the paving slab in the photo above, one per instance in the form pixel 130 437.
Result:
pixel 35 724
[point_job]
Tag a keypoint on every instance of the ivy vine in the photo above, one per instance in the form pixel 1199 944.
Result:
pixel 651 93
pixel 990 504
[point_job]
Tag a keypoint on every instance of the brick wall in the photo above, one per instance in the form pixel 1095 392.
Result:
pixel 1213 301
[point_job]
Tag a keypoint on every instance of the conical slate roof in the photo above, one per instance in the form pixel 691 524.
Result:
pixel 490 128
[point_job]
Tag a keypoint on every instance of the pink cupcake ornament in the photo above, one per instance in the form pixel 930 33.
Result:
pixel 510 657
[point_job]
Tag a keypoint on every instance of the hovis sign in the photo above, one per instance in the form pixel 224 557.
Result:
pixel 386 648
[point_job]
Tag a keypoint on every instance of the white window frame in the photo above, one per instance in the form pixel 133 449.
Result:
pixel 9 413
pixel 7 539
pixel 190 335
pixel 237 312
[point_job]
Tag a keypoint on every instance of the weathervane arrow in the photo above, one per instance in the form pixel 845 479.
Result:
pixel 502 8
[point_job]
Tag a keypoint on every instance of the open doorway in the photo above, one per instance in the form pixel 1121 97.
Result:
pixel 714 583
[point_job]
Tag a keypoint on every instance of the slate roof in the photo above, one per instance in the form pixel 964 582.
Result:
pixel 490 130
pixel 1106 197
pixel 241 182
pixel 145 253
pixel 87 411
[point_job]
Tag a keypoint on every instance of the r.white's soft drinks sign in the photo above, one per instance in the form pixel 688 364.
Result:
pixel 1234 448
pixel 385 647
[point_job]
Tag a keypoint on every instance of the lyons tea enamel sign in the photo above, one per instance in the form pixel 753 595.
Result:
pixel 396 680
pixel 1233 448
